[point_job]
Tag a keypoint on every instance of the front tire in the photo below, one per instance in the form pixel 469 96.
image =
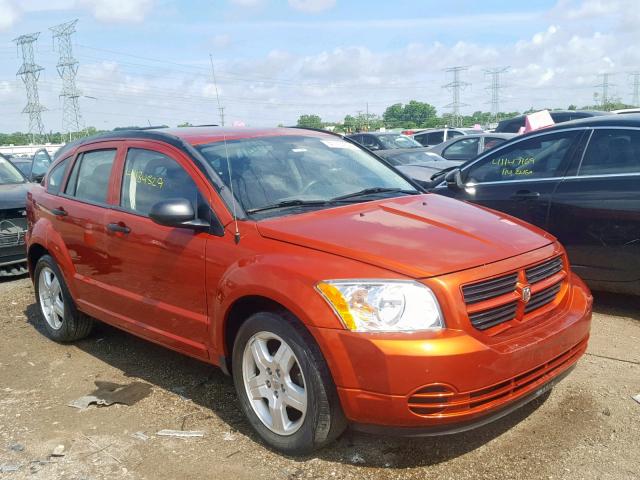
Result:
pixel 284 385
pixel 61 319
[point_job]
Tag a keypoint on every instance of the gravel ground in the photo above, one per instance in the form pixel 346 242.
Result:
pixel 587 428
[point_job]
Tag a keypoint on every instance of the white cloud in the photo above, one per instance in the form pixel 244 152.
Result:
pixel 248 3
pixel 222 40
pixel 9 14
pixel 118 10
pixel 312 6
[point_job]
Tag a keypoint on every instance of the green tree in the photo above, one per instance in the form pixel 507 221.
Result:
pixel 413 114
pixel 310 121
pixel 185 124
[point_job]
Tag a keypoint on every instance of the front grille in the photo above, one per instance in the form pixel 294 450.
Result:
pixel 496 301
pixel 544 270
pixel 11 239
pixel 477 292
pixel 12 231
pixel 444 401
pixel 493 316
pixel 542 298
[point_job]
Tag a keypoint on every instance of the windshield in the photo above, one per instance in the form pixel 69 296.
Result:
pixel 9 173
pixel 291 170
pixel 398 141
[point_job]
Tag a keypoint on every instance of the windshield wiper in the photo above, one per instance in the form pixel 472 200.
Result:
pixel 290 203
pixel 371 191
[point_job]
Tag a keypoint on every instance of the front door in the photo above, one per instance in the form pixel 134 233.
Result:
pixel 519 178
pixel 158 287
pixel 596 213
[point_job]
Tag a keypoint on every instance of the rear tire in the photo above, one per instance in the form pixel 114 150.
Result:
pixel 284 385
pixel 61 319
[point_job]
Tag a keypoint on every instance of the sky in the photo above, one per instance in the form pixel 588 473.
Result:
pixel 148 61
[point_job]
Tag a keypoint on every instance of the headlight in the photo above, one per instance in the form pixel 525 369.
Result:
pixel 383 306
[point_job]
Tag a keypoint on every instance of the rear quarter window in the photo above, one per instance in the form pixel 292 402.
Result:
pixel 56 176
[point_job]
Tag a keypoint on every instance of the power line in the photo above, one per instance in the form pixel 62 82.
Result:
pixel 495 90
pixel 30 73
pixel 454 87
pixel 68 70
pixel 604 96
pixel 636 89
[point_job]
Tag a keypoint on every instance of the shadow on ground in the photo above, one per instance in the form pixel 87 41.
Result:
pixel 617 304
pixel 210 388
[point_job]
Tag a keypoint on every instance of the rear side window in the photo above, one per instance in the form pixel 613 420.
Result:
pixel 434 138
pixel 545 156
pixel 54 182
pixel 612 151
pixel 89 178
pixel 150 177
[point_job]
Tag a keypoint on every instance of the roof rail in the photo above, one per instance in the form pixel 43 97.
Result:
pixel 151 127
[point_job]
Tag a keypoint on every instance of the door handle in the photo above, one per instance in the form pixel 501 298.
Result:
pixel 59 212
pixel 118 227
pixel 525 195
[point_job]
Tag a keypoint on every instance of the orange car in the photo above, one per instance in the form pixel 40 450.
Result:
pixel 331 288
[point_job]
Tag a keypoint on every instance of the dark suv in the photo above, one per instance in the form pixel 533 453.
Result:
pixel 13 221
pixel 578 180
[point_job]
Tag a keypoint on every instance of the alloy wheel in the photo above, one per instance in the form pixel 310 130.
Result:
pixel 274 383
pixel 51 299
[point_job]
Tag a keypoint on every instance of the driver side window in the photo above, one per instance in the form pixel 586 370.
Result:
pixel 545 156
pixel 150 177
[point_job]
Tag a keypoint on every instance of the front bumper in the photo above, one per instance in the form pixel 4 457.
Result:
pixel 443 381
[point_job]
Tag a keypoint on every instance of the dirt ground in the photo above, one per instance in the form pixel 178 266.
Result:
pixel 587 428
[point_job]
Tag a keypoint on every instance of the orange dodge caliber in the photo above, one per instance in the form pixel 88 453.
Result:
pixel 326 283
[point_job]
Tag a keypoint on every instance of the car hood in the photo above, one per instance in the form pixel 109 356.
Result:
pixel 418 236
pixel 13 195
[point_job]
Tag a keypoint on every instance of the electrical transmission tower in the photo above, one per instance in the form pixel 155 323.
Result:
pixel 454 87
pixel 636 89
pixel 68 69
pixel 604 96
pixel 495 90
pixel 30 73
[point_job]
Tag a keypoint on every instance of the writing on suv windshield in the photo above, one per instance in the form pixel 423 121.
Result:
pixel 269 174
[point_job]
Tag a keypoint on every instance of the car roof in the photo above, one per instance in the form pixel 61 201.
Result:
pixel 628 120
pixel 192 136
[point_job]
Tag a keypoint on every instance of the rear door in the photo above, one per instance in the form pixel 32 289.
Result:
pixel 158 286
pixel 520 178
pixel 596 212
pixel 79 213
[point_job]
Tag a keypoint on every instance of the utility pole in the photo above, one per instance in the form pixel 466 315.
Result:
pixel 495 90
pixel 635 101
pixel 368 128
pixel 215 85
pixel 30 73
pixel 454 87
pixel 68 69
pixel 604 97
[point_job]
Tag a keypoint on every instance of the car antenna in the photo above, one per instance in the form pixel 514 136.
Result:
pixel 236 234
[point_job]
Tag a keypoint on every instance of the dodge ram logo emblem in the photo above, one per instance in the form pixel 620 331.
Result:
pixel 526 294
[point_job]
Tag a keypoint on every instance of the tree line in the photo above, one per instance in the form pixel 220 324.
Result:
pixel 417 114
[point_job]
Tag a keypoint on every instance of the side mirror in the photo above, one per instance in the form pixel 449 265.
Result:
pixel 37 178
pixel 177 213
pixel 453 179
